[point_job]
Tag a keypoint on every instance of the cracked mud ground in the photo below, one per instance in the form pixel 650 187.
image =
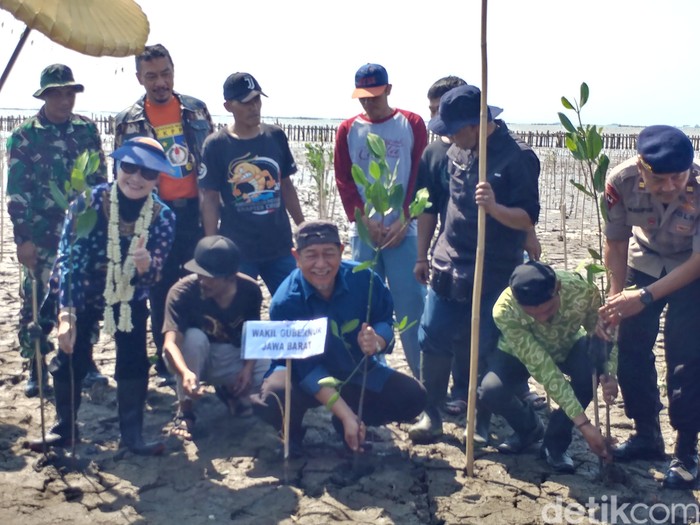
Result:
pixel 232 472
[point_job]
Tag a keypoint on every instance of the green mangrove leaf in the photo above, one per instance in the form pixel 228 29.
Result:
pixel 594 142
pixel 376 145
pixel 362 230
pixel 584 93
pixel 349 326
pixel 375 170
pixel 594 254
pixel 366 265
pixel 81 162
pixel 580 187
pixel 419 203
pixel 334 329
pixel 565 102
pixel 85 222
pixel 601 172
pixel 93 163
pixel 359 176
pixel 603 206
pixel 77 180
pixel 58 196
pixel 568 126
pixel 396 197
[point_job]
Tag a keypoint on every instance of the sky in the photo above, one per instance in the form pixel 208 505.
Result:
pixel 635 55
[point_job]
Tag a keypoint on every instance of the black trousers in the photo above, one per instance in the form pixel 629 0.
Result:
pixel 401 399
pixel 187 233
pixel 132 359
pixel 637 366
pixel 505 375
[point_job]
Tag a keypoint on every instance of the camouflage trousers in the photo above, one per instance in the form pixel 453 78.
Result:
pixel 47 306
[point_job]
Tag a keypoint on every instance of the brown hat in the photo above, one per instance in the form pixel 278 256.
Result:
pixel 316 232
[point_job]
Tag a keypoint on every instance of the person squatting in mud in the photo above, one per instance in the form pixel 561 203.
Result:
pixel 324 285
pixel 107 274
pixel 204 317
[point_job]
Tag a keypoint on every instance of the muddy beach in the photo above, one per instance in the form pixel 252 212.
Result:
pixel 232 472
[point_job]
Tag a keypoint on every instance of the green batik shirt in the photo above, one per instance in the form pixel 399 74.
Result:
pixel 39 152
pixel 540 346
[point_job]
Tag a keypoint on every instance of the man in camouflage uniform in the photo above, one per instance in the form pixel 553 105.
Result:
pixel 180 123
pixel 40 151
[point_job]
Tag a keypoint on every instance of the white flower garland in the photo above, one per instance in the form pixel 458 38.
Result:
pixel 118 287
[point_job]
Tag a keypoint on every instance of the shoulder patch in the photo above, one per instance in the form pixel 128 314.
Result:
pixel 611 195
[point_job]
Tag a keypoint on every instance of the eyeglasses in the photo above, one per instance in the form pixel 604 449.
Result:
pixel 146 173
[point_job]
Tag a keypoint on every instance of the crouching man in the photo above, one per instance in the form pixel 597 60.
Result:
pixel 325 286
pixel 543 317
pixel 204 316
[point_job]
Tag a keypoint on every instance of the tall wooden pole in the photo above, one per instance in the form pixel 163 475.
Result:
pixel 479 267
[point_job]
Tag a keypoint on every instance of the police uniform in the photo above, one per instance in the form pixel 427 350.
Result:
pixel 661 238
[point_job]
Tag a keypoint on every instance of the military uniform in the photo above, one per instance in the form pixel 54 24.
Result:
pixel 41 152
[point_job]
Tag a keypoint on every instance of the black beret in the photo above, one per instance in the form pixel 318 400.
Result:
pixel 533 283
pixel 665 149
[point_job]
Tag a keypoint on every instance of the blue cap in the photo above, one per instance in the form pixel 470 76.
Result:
pixel 146 152
pixel 370 81
pixel 459 107
pixel 665 149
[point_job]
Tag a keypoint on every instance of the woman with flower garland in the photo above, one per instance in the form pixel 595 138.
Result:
pixel 106 275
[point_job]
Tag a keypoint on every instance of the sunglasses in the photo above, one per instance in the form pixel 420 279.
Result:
pixel 146 173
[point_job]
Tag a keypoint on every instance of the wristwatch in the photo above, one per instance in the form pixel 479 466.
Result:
pixel 646 297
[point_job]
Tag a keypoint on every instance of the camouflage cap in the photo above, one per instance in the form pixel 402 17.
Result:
pixel 55 76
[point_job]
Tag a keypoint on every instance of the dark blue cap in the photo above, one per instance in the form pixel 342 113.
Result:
pixel 665 149
pixel 146 152
pixel 533 283
pixel 459 107
pixel 370 80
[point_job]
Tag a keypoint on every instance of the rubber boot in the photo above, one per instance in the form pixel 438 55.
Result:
pixel 131 399
pixel 682 473
pixel 60 434
pixel 528 427
pixel 435 374
pixel 31 389
pixel 646 443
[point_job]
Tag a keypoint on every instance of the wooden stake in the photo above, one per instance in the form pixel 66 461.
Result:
pixel 479 266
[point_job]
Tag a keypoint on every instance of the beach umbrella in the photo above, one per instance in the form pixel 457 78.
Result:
pixel 93 27
pixel 479 266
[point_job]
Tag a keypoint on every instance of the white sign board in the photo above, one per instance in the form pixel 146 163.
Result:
pixel 284 339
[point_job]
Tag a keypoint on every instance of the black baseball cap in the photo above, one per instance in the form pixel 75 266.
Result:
pixel 215 256
pixel 242 87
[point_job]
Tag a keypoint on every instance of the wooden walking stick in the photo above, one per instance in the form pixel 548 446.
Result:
pixel 479 266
